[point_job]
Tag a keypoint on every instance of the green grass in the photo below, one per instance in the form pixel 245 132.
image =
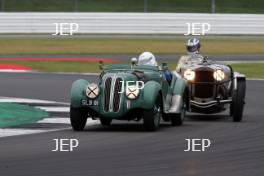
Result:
pixel 90 46
pixel 251 70
pixel 204 6
pixel 87 46
pixel 58 66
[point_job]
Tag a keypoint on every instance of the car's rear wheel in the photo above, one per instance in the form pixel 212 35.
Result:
pixel 105 122
pixel 151 118
pixel 238 101
pixel 166 117
pixel 177 119
pixel 78 117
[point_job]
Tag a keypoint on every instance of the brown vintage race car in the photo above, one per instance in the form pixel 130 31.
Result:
pixel 213 86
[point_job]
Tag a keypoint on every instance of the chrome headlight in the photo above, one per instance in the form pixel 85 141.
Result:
pixel 132 92
pixel 92 91
pixel 189 75
pixel 219 75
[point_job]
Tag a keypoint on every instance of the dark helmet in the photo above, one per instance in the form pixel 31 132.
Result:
pixel 193 45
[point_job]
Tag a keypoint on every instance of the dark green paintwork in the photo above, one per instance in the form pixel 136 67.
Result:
pixel 154 84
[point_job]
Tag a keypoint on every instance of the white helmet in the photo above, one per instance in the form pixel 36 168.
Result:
pixel 147 58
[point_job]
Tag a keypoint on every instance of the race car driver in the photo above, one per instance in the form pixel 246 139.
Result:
pixel 147 58
pixel 193 46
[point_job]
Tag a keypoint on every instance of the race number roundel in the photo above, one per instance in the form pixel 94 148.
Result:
pixel 92 91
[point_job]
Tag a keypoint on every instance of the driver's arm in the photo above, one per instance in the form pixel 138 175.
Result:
pixel 182 61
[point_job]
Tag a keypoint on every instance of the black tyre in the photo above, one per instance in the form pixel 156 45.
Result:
pixel 78 118
pixel 177 119
pixel 238 101
pixel 166 117
pixel 151 118
pixel 105 122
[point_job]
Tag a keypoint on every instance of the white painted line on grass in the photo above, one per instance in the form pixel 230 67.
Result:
pixel 242 62
pixel 14 71
pixel 63 73
pixel 255 79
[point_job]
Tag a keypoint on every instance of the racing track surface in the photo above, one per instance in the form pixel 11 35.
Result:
pixel 125 148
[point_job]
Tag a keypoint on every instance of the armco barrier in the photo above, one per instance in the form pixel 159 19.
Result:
pixel 132 23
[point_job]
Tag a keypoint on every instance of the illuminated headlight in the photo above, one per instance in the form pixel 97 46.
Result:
pixel 132 92
pixel 219 75
pixel 92 91
pixel 189 75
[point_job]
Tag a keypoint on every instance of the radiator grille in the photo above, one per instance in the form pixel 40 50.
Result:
pixel 203 90
pixel 116 100
pixel 112 97
pixel 107 91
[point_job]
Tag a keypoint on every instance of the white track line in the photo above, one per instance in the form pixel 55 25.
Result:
pixel 66 121
pixel 4 132
pixel 54 109
pixel 14 132
pixel 30 101
pixel 55 120
pixel 27 130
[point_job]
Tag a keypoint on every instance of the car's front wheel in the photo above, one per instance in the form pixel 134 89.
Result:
pixel 151 118
pixel 238 101
pixel 78 117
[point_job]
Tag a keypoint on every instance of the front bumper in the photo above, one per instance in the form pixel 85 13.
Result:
pixel 126 106
pixel 209 103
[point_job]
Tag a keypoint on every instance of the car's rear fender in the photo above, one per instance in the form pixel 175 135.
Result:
pixel 179 89
pixel 78 92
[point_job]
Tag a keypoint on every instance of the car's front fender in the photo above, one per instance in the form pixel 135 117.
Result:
pixel 78 92
pixel 151 91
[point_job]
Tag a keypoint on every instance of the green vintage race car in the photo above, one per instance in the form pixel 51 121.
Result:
pixel 129 92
